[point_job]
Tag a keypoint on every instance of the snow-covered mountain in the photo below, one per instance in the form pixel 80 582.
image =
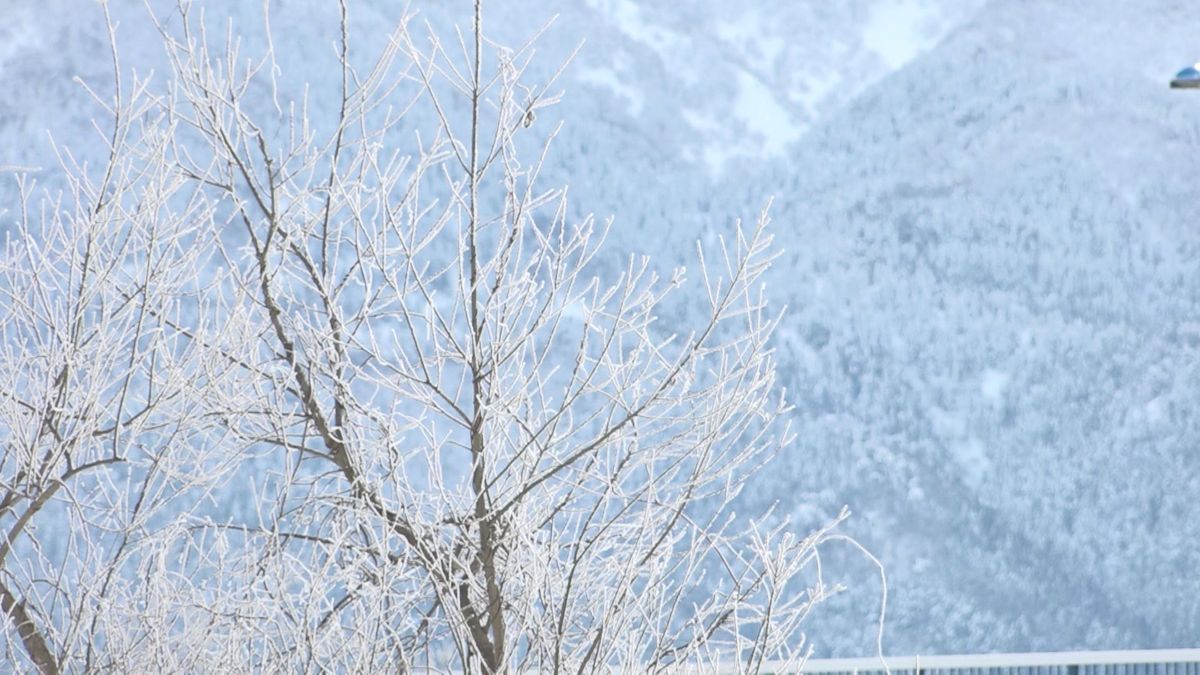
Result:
pixel 987 211
pixel 992 280
pixel 657 87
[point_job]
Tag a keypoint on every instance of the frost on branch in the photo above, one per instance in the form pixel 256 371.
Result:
pixel 352 391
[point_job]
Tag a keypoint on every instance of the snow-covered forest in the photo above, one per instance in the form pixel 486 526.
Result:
pixel 984 220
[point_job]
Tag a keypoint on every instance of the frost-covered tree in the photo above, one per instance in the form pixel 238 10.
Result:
pixel 352 394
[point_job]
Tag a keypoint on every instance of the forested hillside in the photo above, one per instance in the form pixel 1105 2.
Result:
pixel 991 278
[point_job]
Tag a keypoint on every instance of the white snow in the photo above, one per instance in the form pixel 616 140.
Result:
pixel 630 20
pixel 898 30
pixel 609 79
pixel 965 448
pixel 1156 411
pixel 972 457
pixel 714 155
pixel 16 35
pixel 751 34
pixel 993 384
pixel 764 115
pixel 771 127
pixel 946 424
pixel 818 86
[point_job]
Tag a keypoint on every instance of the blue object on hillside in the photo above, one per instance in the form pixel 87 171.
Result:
pixel 1188 78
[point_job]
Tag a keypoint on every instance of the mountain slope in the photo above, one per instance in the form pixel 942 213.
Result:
pixel 993 326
